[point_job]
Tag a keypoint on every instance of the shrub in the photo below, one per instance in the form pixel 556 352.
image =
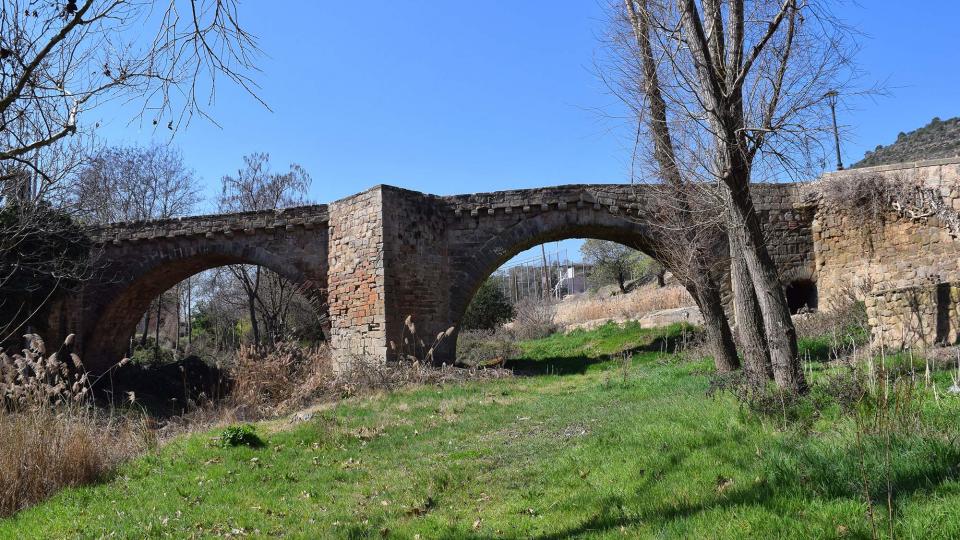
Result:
pixel 150 355
pixel 280 379
pixel 45 450
pixel 485 348
pixel 533 320
pixel 489 308
pixel 838 330
pixel 239 436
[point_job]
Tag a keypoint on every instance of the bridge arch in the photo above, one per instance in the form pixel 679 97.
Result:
pixel 118 304
pixel 548 227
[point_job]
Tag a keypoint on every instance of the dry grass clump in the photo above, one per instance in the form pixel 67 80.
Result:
pixel 484 348
pixel 46 450
pixel 50 433
pixel 289 376
pixel 32 379
pixel 633 305
pixel 280 379
pixel 870 197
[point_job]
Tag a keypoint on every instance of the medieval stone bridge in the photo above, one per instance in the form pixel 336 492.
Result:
pixel 374 258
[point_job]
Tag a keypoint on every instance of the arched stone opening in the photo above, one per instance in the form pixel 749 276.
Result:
pixel 502 247
pixel 801 295
pixel 120 306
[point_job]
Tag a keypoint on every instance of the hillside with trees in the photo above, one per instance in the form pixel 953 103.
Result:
pixel 936 140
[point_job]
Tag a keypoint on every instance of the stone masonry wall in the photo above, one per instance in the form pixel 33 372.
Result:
pixel 902 267
pixel 417 270
pixel 786 219
pixel 918 316
pixel 356 283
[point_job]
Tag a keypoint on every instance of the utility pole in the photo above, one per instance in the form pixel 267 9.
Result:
pixel 545 279
pixel 832 100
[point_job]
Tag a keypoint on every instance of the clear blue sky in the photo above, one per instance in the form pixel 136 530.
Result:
pixel 453 97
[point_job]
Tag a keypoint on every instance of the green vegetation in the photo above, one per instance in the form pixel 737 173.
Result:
pixel 617 264
pixel 938 139
pixel 489 307
pixel 240 436
pixel 605 446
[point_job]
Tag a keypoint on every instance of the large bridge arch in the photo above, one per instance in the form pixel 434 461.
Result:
pixel 531 232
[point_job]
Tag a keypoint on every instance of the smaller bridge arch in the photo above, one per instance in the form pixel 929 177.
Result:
pixel 136 262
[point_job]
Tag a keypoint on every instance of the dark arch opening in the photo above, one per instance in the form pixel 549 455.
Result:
pixel 179 346
pixel 801 295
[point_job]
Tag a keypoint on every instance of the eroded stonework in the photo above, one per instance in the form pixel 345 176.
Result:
pixel 903 267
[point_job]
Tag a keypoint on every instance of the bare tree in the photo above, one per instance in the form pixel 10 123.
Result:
pixel 59 60
pixel 733 89
pixel 256 187
pixel 136 184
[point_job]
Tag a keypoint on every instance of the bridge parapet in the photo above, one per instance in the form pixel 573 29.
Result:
pixel 306 217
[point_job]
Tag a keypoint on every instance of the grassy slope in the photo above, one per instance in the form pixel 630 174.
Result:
pixel 585 453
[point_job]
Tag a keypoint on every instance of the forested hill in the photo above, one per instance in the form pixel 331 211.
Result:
pixel 938 139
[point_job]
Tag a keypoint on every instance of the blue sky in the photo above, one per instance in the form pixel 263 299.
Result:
pixel 454 97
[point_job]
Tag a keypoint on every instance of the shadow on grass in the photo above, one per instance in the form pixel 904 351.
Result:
pixel 816 349
pixel 578 364
pixel 803 472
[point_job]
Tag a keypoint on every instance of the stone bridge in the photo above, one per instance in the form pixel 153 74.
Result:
pixel 372 259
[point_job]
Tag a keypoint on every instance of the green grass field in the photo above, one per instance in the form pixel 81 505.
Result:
pixel 595 447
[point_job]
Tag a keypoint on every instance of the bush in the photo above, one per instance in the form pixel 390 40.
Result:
pixel 485 348
pixel 533 320
pixel 150 355
pixel 277 380
pixel 45 450
pixel 489 308
pixel 50 433
pixel 239 436
pixel 838 330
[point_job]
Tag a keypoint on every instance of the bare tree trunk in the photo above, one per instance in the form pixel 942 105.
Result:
pixel 189 314
pixel 777 323
pixel 707 296
pixel 146 327
pixel 703 287
pixel 156 345
pixel 176 343
pixel 756 357
pixel 662 279
pixel 252 306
